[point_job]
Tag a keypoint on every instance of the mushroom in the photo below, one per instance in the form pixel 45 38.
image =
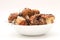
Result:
pixel 37 20
pixel 28 12
pixel 33 20
pixel 49 18
pixel 20 21
pixel 12 16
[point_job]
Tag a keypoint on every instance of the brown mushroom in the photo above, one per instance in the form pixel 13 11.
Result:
pixel 29 12
pixel 37 20
pixel 12 16
pixel 20 21
pixel 49 18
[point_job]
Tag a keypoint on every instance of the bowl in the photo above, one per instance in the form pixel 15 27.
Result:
pixel 33 29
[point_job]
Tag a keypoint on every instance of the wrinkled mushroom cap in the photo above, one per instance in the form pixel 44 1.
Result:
pixel 29 12
pixel 12 16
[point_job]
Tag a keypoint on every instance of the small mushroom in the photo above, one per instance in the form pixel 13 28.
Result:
pixel 49 18
pixel 29 12
pixel 20 21
pixel 12 16
pixel 37 19
pixel 33 20
pixel 26 11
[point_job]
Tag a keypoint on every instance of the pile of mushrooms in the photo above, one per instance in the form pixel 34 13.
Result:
pixel 30 17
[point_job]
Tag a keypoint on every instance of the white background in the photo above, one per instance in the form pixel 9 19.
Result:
pixel 7 32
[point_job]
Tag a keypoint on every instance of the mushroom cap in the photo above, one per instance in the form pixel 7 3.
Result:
pixel 20 21
pixel 26 11
pixel 49 18
pixel 29 12
pixel 12 16
pixel 37 20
